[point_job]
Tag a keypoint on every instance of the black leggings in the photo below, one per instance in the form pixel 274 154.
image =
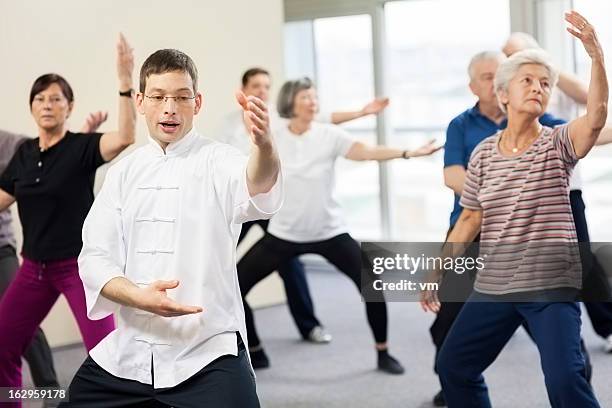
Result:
pixel 296 287
pixel 342 251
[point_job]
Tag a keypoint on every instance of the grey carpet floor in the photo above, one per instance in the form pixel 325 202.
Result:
pixel 342 374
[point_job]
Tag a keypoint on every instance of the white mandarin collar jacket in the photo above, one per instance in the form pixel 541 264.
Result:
pixel 163 216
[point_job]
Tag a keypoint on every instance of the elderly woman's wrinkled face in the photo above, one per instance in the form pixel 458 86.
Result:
pixel 528 91
pixel 306 104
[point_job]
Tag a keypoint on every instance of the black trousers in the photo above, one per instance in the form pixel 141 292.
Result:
pixel 342 251
pixel 296 287
pixel 38 354
pixel 227 382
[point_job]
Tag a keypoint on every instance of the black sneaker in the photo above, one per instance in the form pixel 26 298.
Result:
pixel 438 400
pixel 388 364
pixel 259 359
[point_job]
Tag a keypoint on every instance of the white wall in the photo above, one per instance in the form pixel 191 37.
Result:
pixel 77 40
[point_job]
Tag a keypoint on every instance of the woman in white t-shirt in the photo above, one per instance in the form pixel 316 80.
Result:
pixel 256 82
pixel 311 220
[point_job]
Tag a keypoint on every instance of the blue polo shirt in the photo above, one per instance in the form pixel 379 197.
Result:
pixel 465 132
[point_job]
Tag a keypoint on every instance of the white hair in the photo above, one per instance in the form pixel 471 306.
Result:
pixel 509 68
pixel 484 56
pixel 527 41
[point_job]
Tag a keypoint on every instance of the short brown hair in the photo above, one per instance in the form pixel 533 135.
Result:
pixel 45 81
pixel 250 73
pixel 168 60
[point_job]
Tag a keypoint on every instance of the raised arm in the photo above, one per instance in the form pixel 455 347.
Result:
pixel 360 151
pixel 605 136
pixel 6 200
pixel 113 143
pixel 373 107
pixel 263 167
pixel 585 130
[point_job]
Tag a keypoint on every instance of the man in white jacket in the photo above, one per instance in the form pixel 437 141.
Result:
pixel 159 251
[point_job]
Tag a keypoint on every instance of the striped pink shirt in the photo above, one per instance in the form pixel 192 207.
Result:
pixel 527 234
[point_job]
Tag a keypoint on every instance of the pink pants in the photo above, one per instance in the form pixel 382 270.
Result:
pixel 28 300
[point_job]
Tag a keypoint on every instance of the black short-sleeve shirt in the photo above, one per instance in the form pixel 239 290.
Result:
pixel 54 192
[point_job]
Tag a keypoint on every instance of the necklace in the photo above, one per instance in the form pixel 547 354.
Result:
pixel 516 148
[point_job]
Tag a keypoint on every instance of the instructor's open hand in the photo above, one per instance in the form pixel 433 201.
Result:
pixel 154 299
pixel 256 119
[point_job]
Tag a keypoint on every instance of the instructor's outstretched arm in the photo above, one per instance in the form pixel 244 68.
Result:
pixel 264 165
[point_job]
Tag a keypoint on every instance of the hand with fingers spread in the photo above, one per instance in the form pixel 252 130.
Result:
pixel 154 299
pixel 582 30
pixel 93 121
pixel 256 118
pixel 375 106
pixel 125 63
pixel 425 150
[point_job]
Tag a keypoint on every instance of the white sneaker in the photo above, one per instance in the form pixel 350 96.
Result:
pixel 608 345
pixel 319 335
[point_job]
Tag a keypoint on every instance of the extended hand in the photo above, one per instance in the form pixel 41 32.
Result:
pixel 93 121
pixel 585 32
pixel 375 106
pixel 154 299
pixel 426 149
pixel 429 301
pixel 256 118
pixel 125 63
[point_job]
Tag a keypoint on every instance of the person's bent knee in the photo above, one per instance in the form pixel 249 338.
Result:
pixel 447 369
pixel 564 381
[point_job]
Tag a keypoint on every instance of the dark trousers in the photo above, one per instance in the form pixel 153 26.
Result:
pixel 342 251
pixel 296 287
pixel 600 313
pixel 483 328
pixel 596 285
pixel 227 382
pixel 38 353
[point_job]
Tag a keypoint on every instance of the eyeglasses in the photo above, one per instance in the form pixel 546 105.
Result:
pixel 180 100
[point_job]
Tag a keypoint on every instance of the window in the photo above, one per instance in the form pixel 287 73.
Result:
pixel 596 169
pixel 428 54
pixel 426 77
pixel 341 64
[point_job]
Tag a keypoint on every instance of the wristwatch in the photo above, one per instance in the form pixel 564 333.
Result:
pixel 129 93
pixel 405 154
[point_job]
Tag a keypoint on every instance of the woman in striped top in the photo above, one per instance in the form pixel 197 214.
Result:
pixel 516 196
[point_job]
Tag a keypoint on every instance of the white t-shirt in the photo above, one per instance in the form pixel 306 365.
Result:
pixel 564 107
pixel 310 211
pixel 234 132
